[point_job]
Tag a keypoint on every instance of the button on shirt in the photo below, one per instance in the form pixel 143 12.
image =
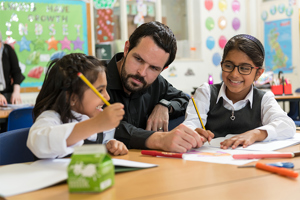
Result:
pixel 275 121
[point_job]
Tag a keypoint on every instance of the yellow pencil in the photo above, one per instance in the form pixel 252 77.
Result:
pixel 93 88
pixel 198 114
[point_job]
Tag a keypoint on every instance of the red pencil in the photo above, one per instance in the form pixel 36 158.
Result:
pixel 164 154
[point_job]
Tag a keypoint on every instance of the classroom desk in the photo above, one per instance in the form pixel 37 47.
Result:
pixel 4 113
pixel 179 179
pixel 3 119
pixel 283 98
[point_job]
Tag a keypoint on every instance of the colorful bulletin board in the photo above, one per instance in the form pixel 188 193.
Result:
pixel 40 31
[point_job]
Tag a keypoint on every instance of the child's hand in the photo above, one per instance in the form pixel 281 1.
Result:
pixel 206 134
pixel 244 139
pixel 116 147
pixel 110 117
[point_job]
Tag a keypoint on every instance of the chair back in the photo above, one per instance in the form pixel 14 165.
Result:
pixel 20 118
pixel 173 123
pixel 13 147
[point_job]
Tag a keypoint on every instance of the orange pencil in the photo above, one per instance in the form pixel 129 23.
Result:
pixel 277 170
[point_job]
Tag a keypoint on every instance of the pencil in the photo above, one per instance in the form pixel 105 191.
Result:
pixel 93 88
pixel 198 115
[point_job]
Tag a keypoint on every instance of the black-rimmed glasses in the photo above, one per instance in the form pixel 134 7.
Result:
pixel 244 69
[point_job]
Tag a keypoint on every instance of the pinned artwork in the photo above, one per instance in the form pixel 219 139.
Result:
pixel 209 23
pixel 222 41
pixel 189 72
pixel 52 43
pixel 36 72
pixel 236 6
pixel 216 59
pixel 210 42
pixel 264 15
pixel 105 25
pixel 289 11
pixel 172 71
pixel 77 43
pixel 100 4
pixel 10 41
pixel 38 44
pixel 222 22
pixel 141 12
pixel 33 58
pixel 236 23
pixel 273 10
pixel 222 5
pixel 57 55
pixel 24 44
pixel 281 8
pixel 208 4
pixel 65 43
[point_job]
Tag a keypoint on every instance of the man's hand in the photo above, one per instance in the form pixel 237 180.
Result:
pixel 159 119
pixel 180 139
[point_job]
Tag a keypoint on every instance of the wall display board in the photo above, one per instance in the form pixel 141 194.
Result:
pixel 40 31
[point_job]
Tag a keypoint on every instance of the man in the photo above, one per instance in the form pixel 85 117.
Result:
pixel 134 79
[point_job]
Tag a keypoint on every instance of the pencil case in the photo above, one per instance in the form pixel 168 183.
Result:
pixel 278 89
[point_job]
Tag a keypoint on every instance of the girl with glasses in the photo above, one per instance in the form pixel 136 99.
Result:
pixel 235 106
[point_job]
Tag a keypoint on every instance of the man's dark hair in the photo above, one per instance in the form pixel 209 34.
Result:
pixel 160 33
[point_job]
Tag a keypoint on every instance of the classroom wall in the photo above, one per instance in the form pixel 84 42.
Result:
pixel 185 74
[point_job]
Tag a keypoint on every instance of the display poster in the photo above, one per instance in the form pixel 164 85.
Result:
pixel 40 31
pixel 278 46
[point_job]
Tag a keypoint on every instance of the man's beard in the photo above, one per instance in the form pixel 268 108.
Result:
pixel 131 86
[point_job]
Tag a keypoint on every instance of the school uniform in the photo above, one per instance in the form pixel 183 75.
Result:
pixel 138 106
pixel 11 70
pixel 259 110
pixel 47 136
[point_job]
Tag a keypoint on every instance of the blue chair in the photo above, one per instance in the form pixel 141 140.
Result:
pixel 20 118
pixel 13 147
pixel 294 110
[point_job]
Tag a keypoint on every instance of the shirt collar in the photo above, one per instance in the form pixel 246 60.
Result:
pixel 79 116
pixel 222 94
pixel 113 76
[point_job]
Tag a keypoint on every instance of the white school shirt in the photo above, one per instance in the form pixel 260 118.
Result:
pixel 47 136
pixel 275 121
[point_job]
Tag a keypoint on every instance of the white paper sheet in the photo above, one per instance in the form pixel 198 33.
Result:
pixel 128 163
pixel 20 178
pixel 14 106
pixel 259 146
pixel 217 155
